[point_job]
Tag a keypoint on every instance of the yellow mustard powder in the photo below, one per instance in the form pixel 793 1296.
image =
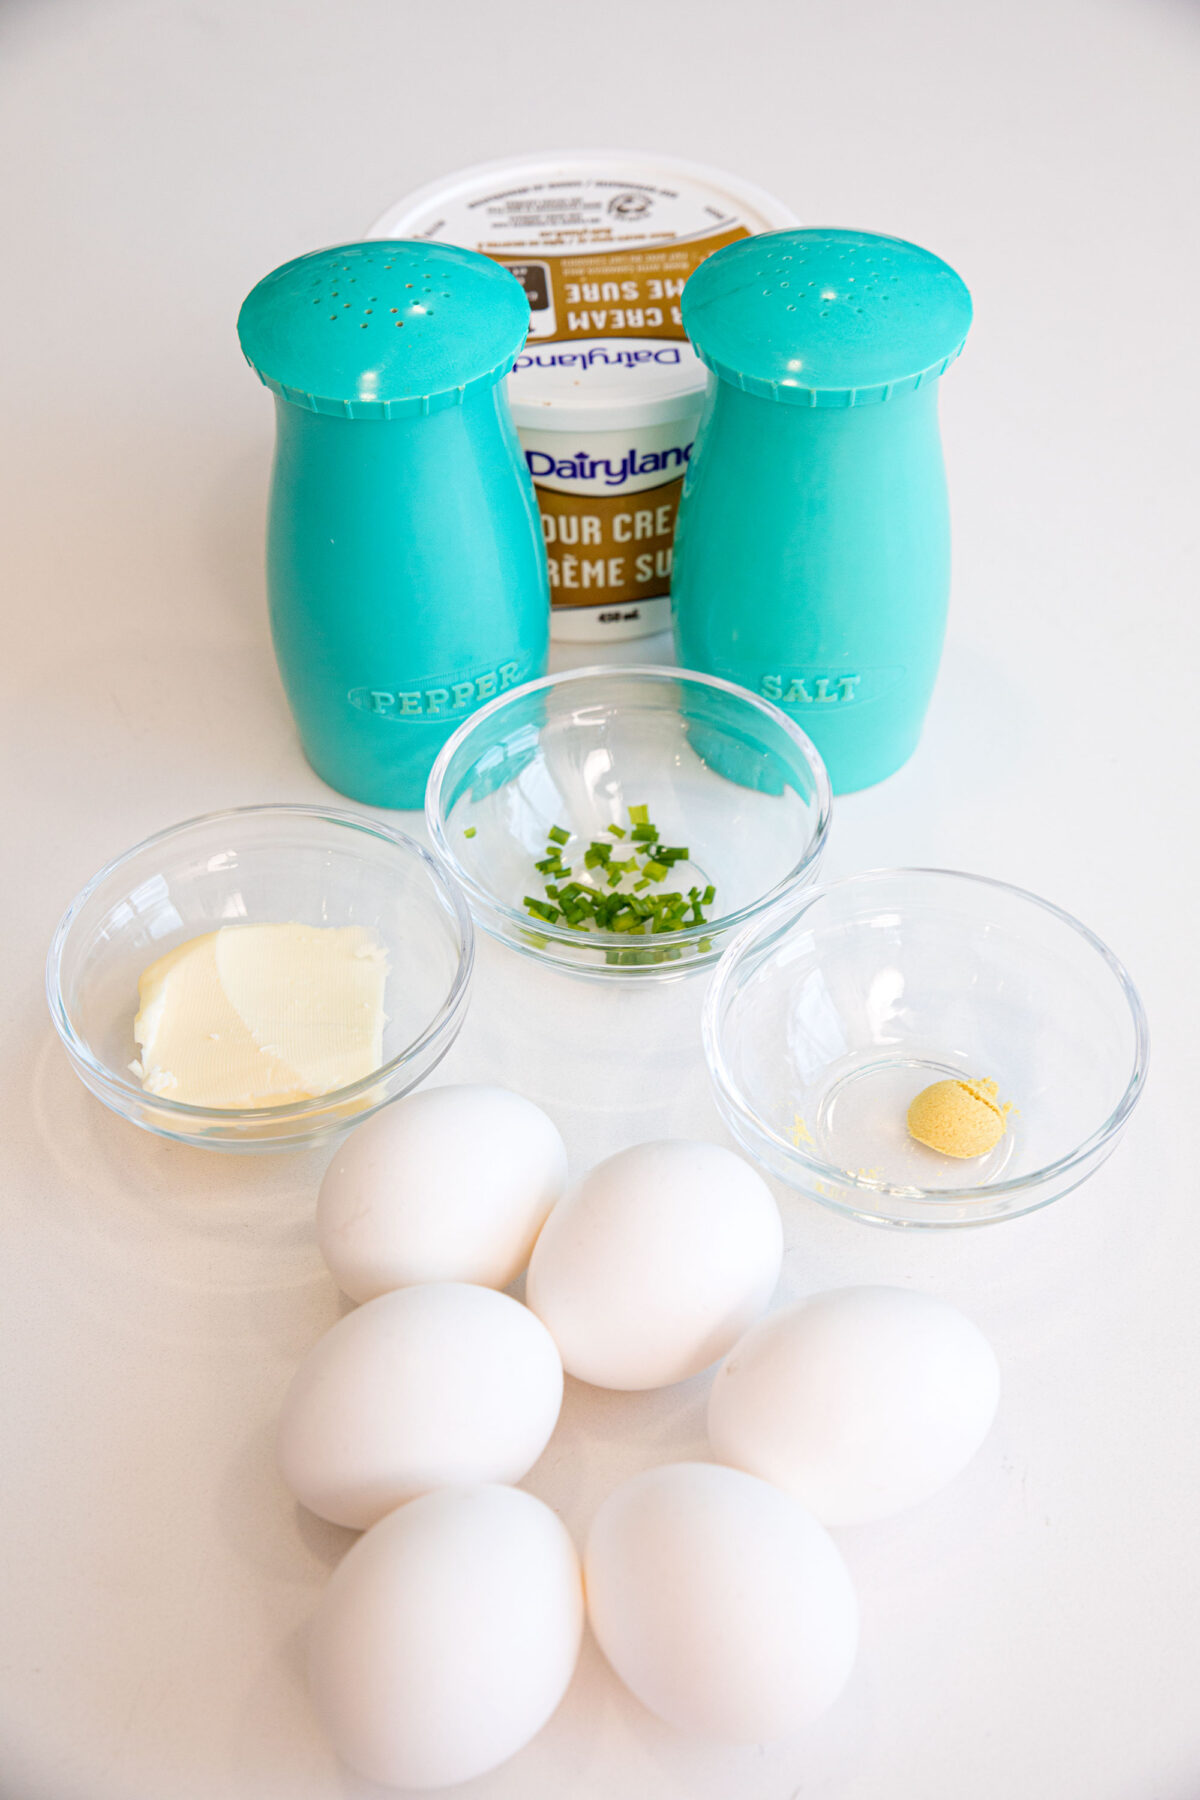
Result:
pixel 800 1132
pixel 959 1118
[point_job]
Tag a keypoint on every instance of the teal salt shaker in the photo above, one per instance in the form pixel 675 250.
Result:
pixel 812 553
pixel 406 572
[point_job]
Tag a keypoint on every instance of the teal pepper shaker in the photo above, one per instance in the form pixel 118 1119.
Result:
pixel 812 556
pixel 406 571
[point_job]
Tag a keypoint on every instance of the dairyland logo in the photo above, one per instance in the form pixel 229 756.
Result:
pixel 597 353
pixel 582 467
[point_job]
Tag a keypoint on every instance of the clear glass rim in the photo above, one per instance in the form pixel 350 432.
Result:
pixel 437 819
pixel 728 1089
pixel 116 1086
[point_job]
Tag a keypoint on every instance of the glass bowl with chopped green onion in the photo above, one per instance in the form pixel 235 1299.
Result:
pixel 621 822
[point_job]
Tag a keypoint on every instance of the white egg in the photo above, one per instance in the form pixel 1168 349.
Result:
pixel 423 1388
pixel 858 1402
pixel 720 1602
pixel 447 1636
pixel 656 1263
pixel 451 1184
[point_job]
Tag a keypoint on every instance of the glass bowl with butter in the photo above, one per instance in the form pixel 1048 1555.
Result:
pixel 263 978
pixel 924 1047
pixel 621 822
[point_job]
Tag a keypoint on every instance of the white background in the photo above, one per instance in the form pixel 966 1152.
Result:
pixel 1035 1630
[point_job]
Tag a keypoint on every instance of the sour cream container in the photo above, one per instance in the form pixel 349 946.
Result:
pixel 607 393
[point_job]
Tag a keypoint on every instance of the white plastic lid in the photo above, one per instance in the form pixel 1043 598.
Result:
pixel 603 241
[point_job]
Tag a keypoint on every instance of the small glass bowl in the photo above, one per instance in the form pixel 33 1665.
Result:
pixel 722 773
pixel 261 864
pixel 826 1019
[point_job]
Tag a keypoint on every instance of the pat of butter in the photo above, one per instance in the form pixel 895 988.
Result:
pixel 262 1015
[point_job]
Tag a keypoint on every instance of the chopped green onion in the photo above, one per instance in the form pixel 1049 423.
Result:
pixel 470 831
pixel 541 909
pixel 609 907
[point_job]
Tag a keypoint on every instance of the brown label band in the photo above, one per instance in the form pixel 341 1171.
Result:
pixel 608 549
pixel 612 293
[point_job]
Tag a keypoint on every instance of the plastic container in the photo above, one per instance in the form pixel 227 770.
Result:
pixel 607 393
pixel 813 554
pixel 261 864
pixel 405 569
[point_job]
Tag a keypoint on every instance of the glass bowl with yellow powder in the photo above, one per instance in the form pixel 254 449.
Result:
pixel 263 978
pixel 923 1047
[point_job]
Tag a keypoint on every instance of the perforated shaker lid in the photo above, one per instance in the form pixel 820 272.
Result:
pixel 382 329
pixel 825 317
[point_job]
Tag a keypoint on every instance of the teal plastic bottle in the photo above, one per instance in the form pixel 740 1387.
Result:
pixel 406 571
pixel 812 551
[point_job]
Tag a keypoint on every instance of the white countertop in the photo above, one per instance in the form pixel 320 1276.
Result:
pixel 1033 1631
